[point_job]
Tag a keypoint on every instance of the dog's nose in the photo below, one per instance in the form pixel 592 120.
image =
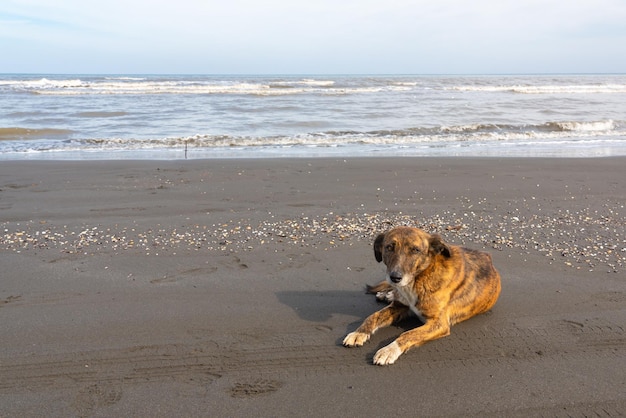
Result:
pixel 395 277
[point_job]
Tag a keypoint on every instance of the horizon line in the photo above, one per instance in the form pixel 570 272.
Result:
pixel 264 74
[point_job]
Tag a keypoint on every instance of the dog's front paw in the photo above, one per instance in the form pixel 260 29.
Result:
pixel 388 354
pixel 356 339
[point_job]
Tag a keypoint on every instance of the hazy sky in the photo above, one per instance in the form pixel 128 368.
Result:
pixel 313 36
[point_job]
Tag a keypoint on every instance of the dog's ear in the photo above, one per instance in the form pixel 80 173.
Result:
pixel 437 246
pixel 378 247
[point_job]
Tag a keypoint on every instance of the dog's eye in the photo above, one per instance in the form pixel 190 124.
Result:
pixel 390 248
pixel 416 250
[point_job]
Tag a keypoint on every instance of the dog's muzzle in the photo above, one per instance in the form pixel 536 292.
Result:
pixel 395 277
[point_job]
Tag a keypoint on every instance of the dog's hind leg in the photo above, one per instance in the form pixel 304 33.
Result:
pixel 382 290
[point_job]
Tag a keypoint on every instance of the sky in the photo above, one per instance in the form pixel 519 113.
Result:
pixel 312 36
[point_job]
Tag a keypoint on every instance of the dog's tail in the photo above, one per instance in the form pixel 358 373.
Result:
pixel 382 290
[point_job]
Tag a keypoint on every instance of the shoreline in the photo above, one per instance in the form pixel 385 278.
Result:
pixel 225 286
pixel 511 150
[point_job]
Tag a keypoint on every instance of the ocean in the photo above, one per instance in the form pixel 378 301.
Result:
pixel 76 117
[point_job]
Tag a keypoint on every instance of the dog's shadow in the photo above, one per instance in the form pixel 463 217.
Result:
pixel 320 306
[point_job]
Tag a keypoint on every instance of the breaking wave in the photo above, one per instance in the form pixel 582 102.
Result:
pixel 546 89
pixel 124 85
pixel 155 86
pixel 418 136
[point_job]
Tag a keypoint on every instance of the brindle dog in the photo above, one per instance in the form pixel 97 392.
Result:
pixel 442 284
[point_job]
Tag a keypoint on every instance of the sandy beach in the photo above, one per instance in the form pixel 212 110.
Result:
pixel 224 288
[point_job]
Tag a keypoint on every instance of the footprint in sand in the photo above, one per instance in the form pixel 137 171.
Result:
pixel 256 388
pixel 10 299
pixel 181 275
pixel 96 396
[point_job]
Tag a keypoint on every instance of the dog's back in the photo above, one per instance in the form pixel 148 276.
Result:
pixel 478 285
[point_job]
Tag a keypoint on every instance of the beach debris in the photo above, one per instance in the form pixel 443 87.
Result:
pixel 585 238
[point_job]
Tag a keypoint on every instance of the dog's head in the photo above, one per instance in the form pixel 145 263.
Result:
pixel 407 252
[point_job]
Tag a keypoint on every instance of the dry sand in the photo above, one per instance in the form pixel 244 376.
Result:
pixel 225 287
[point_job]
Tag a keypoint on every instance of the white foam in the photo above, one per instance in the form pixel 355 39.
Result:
pixel 126 78
pixel 305 82
pixel 597 126
pixel 562 132
pixel 147 86
pixel 546 89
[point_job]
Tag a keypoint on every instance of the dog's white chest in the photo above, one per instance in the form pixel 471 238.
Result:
pixel 407 297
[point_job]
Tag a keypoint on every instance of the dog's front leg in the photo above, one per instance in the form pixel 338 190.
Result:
pixel 431 330
pixel 383 318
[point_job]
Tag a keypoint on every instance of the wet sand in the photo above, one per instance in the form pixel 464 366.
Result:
pixel 225 287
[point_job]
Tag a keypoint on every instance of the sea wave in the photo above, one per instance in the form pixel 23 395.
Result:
pixel 608 126
pixel 418 136
pixel 277 85
pixel 544 89
pixel 573 126
pixel 153 85
pixel 149 86
pixel 329 140
pixel 303 82
pixel 126 78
